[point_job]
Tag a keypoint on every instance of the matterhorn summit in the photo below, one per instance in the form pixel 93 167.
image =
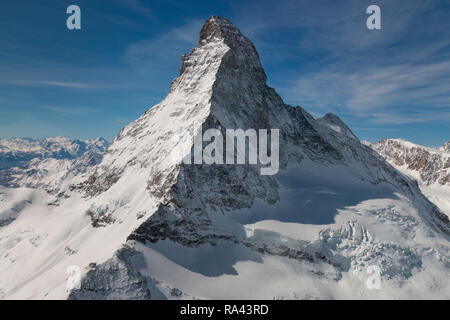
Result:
pixel 148 224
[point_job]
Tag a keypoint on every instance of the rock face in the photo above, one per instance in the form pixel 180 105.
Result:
pixel 431 165
pixel 113 280
pixel 157 227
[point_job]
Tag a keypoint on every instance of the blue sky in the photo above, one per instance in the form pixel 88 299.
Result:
pixel 393 82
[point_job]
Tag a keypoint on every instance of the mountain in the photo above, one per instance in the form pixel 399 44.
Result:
pixel 146 224
pixel 51 164
pixel 17 151
pixel 429 166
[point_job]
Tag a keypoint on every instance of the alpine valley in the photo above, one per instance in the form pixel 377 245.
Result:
pixel 139 223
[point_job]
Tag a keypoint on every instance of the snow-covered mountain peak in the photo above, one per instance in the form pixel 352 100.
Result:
pixel 336 124
pixel 223 85
pixel 221 81
pixel 220 41
pixel 217 28
pixel 221 29
pixel 430 167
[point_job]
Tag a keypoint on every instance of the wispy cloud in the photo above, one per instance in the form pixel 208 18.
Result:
pixel 70 111
pixel 425 116
pixel 27 126
pixel 65 84
pixel 372 88
pixel 330 24
pixel 162 52
pixel 137 7
pixel 121 120
pixel 38 83
pixel 398 75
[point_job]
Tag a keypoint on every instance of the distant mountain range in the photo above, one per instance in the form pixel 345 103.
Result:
pixel 430 167
pixel 17 151
pixel 50 164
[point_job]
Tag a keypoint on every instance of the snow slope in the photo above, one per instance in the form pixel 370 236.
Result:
pixel 145 225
